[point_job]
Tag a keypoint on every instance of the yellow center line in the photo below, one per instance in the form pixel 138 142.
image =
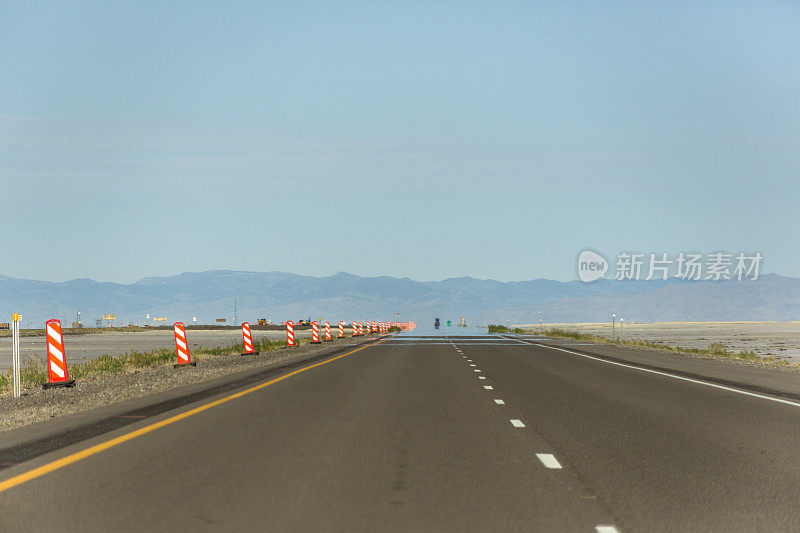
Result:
pixel 77 456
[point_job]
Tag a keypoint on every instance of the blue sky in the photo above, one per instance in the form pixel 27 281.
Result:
pixel 420 139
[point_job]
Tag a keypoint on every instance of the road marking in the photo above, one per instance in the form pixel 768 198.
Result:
pixel 488 387
pixel 549 460
pixel 675 376
pixel 473 364
pixel 470 360
pixel 97 448
pixel 498 401
pixel 606 529
pixel 517 423
pixel 477 370
pixel 481 377
pixel 415 343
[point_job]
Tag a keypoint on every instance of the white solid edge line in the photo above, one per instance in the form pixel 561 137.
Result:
pixel 606 529
pixel 674 376
pixel 549 460
pixel 517 423
pixel 498 401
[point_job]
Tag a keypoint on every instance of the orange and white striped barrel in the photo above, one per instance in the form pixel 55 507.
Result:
pixel 314 332
pixel 341 329
pixel 181 345
pixel 328 331
pixel 374 327
pixel 360 328
pixel 56 356
pixel 355 328
pixel 290 333
pixel 247 339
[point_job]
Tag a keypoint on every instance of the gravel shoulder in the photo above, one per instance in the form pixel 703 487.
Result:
pixel 37 404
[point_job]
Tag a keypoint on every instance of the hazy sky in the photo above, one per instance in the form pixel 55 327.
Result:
pixel 420 139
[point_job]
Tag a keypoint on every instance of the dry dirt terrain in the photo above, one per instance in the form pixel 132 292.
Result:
pixel 778 339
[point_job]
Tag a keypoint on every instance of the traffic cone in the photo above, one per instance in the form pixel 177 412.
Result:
pixel 290 334
pixel 247 340
pixel 182 346
pixel 56 357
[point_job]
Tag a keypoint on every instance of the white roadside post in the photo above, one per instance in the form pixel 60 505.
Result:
pixel 15 362
pixel 613 321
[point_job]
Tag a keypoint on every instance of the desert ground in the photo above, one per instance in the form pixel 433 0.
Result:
pixel 779 339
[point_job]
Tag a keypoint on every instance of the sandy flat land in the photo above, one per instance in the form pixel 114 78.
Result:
pixel 779 339
pixel 82 347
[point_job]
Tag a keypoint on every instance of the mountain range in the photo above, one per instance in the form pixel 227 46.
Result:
pixel 280 296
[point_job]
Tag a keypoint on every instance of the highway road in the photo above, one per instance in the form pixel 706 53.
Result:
pixel 427 433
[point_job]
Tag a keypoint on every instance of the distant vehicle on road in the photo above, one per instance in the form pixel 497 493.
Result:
pixel 436 323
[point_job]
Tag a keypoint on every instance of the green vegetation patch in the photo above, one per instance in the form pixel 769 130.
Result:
pixel 34 371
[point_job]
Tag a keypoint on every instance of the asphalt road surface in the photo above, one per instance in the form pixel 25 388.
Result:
pixel 432 433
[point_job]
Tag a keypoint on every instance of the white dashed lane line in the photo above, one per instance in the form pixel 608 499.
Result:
pixel 549 460
pixel 606 529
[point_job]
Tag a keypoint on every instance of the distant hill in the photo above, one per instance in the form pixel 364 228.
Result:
pixel 281 296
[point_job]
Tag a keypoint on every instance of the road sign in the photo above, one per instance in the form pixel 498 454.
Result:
pixel 160 318
pixel 5 325
pixel 109 316
pixel 222 320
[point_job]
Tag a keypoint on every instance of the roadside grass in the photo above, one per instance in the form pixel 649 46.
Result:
pixel 34 371
pixel 494 328
pixel 714 349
